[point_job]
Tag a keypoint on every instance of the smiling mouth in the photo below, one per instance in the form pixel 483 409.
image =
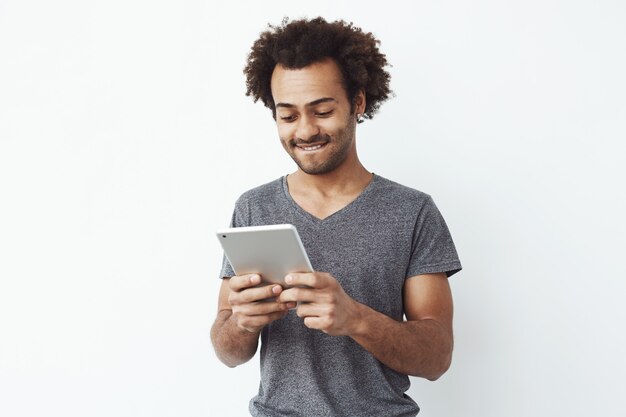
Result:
pixel 313 147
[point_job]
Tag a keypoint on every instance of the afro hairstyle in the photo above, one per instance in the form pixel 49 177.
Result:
pixel 299 43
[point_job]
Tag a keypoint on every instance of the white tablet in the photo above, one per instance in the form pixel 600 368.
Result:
pixel 270 251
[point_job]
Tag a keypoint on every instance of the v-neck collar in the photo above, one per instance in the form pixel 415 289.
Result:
pixel 337 214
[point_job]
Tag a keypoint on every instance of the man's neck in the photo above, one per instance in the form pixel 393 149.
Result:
pixel 323 195
pixel 343 181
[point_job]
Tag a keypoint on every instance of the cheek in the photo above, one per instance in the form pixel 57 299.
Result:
pixel 285 145
pixel 284 133
pixel 332 127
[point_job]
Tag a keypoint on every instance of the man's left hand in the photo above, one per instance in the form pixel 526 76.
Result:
pixel 322 303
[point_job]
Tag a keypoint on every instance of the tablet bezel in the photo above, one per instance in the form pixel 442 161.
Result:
pixel 272 251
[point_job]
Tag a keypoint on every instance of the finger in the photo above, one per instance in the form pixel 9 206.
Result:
pixel 309 310
pixel 251 295
pixel 262 308
pixel 309 279
pixel 238 283
pixel 256 322
pixel 298 294
pixel 316 323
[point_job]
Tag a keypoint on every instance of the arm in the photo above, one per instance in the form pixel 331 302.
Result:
pixel 241 316
pixel 420 346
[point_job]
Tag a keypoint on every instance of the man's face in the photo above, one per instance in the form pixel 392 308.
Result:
pixel 313 116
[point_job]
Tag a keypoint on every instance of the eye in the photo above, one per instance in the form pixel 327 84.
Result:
pixel 324 114
pixel 288 119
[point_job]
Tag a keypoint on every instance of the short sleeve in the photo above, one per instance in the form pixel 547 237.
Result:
pixel 433 250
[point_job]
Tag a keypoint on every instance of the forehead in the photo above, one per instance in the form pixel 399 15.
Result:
pixel 304 85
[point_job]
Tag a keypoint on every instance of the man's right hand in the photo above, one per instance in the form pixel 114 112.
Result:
pixel 254 307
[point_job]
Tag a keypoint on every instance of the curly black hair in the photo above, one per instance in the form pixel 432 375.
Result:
pixel 300 43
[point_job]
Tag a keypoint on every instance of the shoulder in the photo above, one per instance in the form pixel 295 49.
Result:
pixel 399 194
pixel 255 206
pixel 262 193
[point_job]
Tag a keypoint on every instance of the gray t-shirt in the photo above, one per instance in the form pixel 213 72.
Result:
pixel 387 234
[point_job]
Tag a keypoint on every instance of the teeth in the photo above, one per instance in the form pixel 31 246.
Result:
pixel 311 148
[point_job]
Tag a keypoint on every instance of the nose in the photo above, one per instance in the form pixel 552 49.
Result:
pixel 306 128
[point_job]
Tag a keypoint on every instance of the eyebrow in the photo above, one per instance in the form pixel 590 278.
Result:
pixel 311 104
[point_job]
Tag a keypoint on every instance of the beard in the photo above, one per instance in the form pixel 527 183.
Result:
pixel 340 145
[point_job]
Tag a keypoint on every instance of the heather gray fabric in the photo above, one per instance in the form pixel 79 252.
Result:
pixel 389 233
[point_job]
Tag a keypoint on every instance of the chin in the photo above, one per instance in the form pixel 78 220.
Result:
pixel 318 169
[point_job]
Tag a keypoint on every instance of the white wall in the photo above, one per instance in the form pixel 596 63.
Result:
pixel 125 138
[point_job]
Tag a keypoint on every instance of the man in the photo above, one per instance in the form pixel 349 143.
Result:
pixel 333 342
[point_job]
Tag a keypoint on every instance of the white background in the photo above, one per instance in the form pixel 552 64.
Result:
pixel 125 138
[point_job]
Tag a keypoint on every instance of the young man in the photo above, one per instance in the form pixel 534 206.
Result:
pixel 381 250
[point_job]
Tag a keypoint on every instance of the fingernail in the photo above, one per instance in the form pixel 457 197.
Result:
pixel 276 289
pixel 288 279
pixel 291 304
pixel 255 279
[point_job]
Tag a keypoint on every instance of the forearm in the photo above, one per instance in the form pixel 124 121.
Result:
pixel 233 345
pixel 420 348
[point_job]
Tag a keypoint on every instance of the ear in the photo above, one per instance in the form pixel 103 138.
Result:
pixel 359 102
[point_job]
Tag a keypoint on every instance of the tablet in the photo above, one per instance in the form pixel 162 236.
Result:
pixel 270 251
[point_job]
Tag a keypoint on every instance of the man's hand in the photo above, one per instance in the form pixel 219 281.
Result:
pixel 322 303
pixel 420 346
pixel 250 312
